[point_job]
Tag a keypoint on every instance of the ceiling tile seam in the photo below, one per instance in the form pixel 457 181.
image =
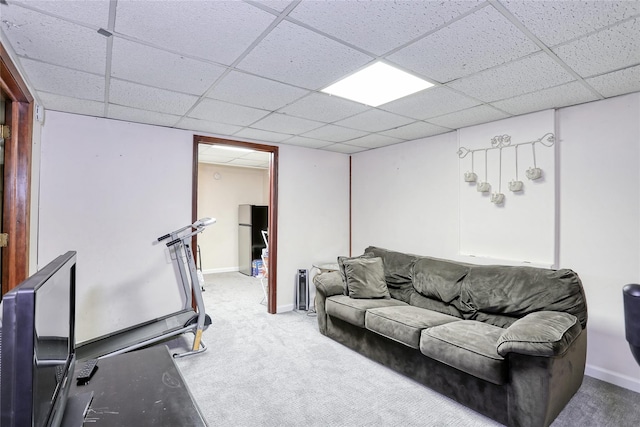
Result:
pixel 612 71
pixel 441 27
pixel 164 49
pixel 266 8
pixel 25 5
pixel 332 37
pixel 40 61
pixel 243 55
pixel 591 33
pixel 18 64
pixel 529 93
pixel 511 18
pixel 466 109
pixel 109 57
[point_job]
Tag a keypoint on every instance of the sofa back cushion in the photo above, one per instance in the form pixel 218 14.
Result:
pixel 397 271
pixel 518 291
pixel 418 300
pixel 438 279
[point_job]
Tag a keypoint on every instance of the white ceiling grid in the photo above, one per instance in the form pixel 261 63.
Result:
pixel 252 70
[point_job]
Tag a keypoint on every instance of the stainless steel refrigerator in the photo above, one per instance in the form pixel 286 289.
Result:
pixel 252 219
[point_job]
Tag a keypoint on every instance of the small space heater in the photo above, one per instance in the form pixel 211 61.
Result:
pixel 302 290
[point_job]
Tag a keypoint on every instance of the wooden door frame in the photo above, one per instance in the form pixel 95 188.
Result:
pixel 272 305
pixel 17 174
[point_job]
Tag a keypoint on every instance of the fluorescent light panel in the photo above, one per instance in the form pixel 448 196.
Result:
pixel 377 84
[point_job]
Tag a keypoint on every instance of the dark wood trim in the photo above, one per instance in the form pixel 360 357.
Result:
pixel 272 303
pixel 350 230
pixel 10 81
pixel 17 174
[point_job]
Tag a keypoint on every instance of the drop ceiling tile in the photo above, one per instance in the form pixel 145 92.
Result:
pixel 334 133
pixel 533 73
pixel 374 121
pixel 605 51
pixel 252 91
pixel 60 80
pixel 283 123
pixel 244 162
pixel 95 13
pixel 262 135
pixel 302 141
pixel 261 156
pixel 469 117
pixel 431 102
pixel 217 30
pixel 224 112
pixel 555 97
pixel 324 108
pixel 555 22
pixel 378 26
pixel 41 37
pixel 479 41
pixel 312 61
pixel 278 5
pixel 343 148
pixel 141 116
pixel 55 102
pixel 149 98
pixel 374 140
pixel 154 67
pixel 207 126
pixel 415 130
pixel 618 82
pixel 213 158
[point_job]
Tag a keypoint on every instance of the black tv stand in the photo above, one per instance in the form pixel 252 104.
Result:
pixel 76 409
pixel 139 388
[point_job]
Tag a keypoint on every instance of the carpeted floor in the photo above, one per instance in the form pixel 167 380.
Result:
pixel 278 370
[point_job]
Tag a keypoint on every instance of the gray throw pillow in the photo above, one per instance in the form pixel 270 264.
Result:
pixel 341 260
pixel 365 278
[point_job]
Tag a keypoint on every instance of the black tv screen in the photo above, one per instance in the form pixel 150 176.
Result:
pixel 38 346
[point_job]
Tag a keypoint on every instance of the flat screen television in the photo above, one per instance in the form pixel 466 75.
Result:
pixel 38 346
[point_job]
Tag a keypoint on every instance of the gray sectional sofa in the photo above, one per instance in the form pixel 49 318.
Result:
pixel 508 342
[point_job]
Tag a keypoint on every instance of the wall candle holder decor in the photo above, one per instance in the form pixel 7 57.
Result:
pixel 498 143
pixel 484 186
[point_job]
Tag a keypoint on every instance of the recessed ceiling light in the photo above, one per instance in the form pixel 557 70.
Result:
pixel 377 84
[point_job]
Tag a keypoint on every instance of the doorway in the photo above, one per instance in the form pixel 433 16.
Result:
pixel 16 181
pixel 273 202
pixel 2 134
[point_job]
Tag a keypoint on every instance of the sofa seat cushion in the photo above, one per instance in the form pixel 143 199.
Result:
pixel 469 346
pixel 353 310
pixel 404 323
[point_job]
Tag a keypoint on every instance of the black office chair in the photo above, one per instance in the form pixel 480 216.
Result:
pixel 631 296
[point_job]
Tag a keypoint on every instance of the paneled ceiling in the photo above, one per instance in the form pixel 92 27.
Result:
pixel 253 70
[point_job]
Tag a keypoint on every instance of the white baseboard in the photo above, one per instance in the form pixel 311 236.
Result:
pixel 284 308
pixel 220 270
pixel 615 378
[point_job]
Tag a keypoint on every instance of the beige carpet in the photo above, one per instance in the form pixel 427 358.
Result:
pixel 278 370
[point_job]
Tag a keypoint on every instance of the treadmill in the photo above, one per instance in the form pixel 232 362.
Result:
pixel 191 319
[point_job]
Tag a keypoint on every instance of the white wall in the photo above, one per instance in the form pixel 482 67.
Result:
pixel 599 152
pixel 405 197
pixel 219 198
pixel 109 188
pixel 313 216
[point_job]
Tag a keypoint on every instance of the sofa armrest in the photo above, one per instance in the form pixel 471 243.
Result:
pixel 327 285
pixel 543 333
